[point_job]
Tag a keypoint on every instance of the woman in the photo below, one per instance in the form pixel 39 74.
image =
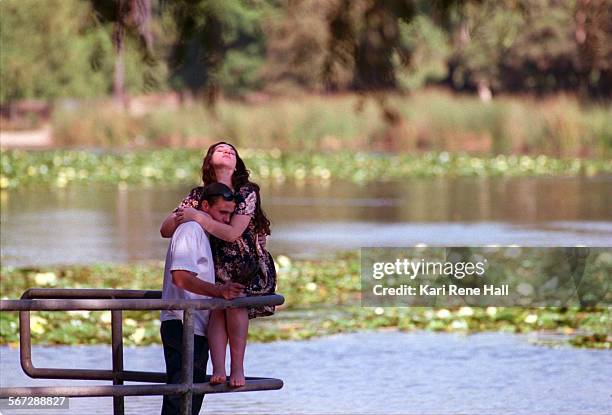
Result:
pixel 239 250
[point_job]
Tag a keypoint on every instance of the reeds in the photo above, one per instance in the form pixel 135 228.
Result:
pixel 428 120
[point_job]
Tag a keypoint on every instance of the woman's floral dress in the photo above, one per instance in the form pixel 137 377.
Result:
pixel 245 260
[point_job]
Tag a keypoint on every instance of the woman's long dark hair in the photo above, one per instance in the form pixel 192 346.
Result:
pixel 240 177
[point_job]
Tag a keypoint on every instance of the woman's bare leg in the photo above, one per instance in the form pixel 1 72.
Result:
pixel 237 330
pixel 217 342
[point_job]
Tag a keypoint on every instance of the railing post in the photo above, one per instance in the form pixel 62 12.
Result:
pixel 25 341
pixel 187 363
pixel 117 345
pixel 117 300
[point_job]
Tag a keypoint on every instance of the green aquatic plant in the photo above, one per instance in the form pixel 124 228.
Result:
pixel 322 297
pixel 60 168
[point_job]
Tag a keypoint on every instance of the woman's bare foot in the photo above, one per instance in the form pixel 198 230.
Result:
pixel 217 378
pixel 237 378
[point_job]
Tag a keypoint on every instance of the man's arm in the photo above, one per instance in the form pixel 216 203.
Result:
pixel 169 225
pixel 228 233
pixel 188 281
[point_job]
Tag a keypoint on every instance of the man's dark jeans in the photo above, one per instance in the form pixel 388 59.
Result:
pixel 172 338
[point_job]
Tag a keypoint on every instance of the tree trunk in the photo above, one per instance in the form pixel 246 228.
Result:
pixel 119 43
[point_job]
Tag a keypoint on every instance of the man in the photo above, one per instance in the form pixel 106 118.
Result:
pixel 189 274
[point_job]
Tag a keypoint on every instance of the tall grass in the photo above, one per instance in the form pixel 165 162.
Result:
pixel 427 120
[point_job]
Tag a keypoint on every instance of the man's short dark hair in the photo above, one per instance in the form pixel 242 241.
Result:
pixel 215 191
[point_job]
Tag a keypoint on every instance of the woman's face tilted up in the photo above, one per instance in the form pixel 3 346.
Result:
pixel 223 156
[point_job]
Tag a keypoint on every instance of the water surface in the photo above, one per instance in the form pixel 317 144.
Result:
pixel 101 223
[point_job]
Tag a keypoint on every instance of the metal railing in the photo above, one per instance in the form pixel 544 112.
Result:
pixel 58 299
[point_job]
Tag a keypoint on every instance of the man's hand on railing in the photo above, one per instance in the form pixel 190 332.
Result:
pixel 188 281
pixel 231 290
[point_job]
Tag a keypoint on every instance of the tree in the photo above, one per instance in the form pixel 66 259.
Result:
pixel 127 16
pixel 540 46
pixel 296 40
pixel 593 32
pixel 365 35
pixel 220 44
pixel 50 51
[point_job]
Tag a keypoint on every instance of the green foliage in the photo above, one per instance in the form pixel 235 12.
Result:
pixel 220 44
pixel 64 48
pixel 429 52
pixel 487 31
pixel 240 70
pixel 297 38
pixel 62 167
pixel 140 77
pixel 57 49
pixel 531 45
pixel 51 50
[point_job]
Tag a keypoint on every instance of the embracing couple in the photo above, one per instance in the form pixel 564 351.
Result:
pixel 218 249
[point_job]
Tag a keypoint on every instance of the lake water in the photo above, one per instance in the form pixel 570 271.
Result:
pixel 374 373
pixel 101 223
pixel 368 372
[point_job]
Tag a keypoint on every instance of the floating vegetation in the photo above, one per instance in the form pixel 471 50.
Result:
pixel 59 168
pixel 322 297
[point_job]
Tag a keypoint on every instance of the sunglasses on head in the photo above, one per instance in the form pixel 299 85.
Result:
pixel 225 194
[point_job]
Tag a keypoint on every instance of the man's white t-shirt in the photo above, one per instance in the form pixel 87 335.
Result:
pixel 189 250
